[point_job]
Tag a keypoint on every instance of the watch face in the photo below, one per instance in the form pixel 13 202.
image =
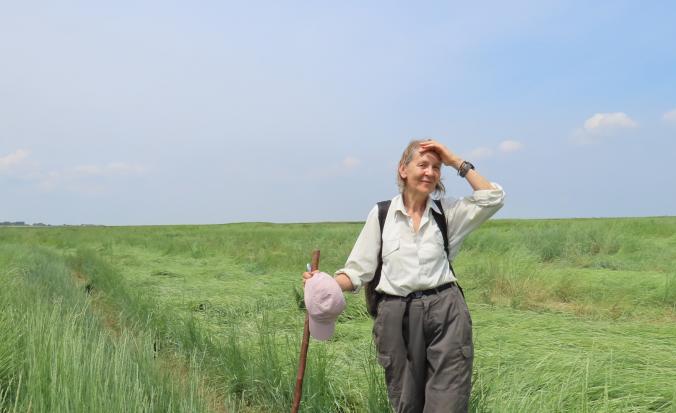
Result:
pixel 464 168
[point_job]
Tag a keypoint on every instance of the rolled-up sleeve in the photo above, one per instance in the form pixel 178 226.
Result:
pixel 464 215
pixel 362 263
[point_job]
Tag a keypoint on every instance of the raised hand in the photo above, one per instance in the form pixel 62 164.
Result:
pixel 447 157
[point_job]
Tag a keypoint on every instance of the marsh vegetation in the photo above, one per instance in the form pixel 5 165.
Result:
pixel 569 315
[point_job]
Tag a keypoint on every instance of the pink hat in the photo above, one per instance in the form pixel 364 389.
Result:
pixel 324 302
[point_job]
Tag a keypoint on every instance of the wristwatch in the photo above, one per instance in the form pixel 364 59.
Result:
pixel 464 168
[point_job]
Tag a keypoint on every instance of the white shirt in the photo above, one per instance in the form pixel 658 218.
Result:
pixel 417 261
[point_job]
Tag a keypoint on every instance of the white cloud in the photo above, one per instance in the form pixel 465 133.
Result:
pixel 111 169
pixel 605 121
pixel 485 152
pixel 509 146
pixel 83 178
pixel 479 153
pixel 50 181
pixel 18 165
pixel 13 159
pixel 351 162
pixel 332 168
pixel 67 180
pixel 85 170
pixel 670 116
pixel 88 178
pixel 602 126
pixel 122 168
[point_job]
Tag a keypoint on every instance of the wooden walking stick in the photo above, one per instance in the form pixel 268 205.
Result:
pixel 303 347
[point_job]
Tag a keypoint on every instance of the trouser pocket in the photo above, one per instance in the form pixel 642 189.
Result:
pixel 387 331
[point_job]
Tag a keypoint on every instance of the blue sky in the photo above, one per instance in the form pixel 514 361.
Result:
pixel 127 113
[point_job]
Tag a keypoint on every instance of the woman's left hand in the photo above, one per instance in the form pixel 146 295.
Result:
pixel 447 157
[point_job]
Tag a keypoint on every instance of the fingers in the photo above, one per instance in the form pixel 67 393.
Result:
pixel 307 275
pixel 447 157
pixel 430 146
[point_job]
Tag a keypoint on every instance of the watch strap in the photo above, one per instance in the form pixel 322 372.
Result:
pixel 464 168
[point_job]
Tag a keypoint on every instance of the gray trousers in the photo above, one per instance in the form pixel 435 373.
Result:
pixel 426 351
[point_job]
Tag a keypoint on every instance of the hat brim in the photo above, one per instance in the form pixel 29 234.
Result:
pixel 321 331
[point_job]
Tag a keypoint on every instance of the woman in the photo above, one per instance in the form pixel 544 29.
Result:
pixel 423 331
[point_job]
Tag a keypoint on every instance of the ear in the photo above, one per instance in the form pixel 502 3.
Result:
pixel 402 172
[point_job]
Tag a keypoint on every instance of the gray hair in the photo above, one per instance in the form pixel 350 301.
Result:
pixel 406 158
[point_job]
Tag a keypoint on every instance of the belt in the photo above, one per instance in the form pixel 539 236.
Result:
pixel 420 294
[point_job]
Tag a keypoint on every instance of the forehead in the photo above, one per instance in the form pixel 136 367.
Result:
pixel 429 156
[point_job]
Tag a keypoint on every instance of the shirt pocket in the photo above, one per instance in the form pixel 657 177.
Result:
pixel 390 246
pixel 432 250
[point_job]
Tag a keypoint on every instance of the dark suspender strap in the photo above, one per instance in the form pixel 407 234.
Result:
pixel 441 223
pixel 372 296
pixel 383 207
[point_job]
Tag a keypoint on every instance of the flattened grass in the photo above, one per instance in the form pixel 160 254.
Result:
pixel 570 315
pixel 529 361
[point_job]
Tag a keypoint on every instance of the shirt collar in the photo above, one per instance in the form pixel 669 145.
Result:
pixel 398 205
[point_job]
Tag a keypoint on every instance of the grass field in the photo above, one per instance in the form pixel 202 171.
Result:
pixel 569 315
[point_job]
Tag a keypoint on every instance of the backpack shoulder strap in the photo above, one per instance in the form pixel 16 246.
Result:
pixel 372 296
pixel 383 207
pixel 441 223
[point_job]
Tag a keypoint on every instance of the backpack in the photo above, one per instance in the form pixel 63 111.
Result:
pixel 372 296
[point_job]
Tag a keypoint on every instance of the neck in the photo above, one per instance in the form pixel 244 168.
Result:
pixel 414 202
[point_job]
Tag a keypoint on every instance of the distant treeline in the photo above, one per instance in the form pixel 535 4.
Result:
pixel 37 224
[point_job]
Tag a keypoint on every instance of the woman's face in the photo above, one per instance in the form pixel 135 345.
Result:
pixel 423 173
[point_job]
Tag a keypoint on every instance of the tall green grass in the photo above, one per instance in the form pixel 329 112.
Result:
pixel 55 354
pixel 570 315
pixel 252 363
